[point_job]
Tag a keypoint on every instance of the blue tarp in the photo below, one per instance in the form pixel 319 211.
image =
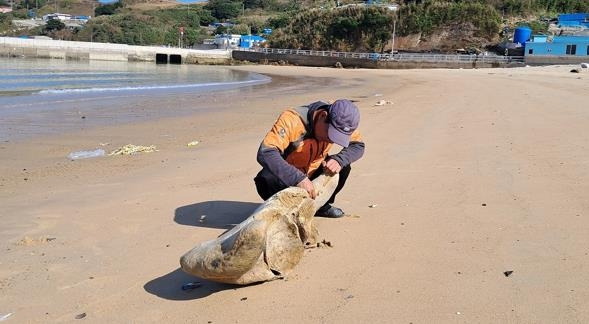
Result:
pixel 248 41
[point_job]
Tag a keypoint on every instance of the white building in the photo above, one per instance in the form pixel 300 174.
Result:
pixel 227 41
pixel 58 16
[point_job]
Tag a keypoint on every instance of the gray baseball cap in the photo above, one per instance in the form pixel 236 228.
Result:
pixel 344 118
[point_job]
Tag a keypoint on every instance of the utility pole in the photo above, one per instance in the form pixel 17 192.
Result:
pixel 394 31
pixel 181 37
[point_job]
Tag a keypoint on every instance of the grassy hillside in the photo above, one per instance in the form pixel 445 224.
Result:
pixel 307 24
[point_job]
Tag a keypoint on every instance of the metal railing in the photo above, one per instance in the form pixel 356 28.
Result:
pixel 400 57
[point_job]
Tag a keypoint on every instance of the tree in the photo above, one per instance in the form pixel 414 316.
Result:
pixel 108 9
pixel 224 9
pixel 221 30
pixel 53 25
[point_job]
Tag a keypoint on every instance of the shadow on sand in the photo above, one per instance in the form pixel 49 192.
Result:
pixel 170 286
pixel 215 214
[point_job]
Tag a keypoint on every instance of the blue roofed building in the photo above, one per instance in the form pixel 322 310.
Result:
pixel 570 45
pixel 557 49
pixel 574 20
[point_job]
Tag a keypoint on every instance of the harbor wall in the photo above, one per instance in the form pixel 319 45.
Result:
pixel 348 62
pixel 56 49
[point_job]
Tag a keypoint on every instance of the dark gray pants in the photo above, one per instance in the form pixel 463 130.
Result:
pixel 267 184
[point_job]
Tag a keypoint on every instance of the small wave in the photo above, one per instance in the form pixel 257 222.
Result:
pixel 155 87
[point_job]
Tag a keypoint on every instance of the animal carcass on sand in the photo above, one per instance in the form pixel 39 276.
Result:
pixel 266 245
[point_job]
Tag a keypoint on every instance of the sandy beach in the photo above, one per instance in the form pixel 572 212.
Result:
pixel 470 174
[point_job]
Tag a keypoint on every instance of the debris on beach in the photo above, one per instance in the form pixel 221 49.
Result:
pixel 191 285
pixel 193 143
pixel 324 243
pixel 29 241
pixel 372 206
pixel 584 68
pixel 80 316
pixel 131 149
pixel 507 273
pixel 5 316
pixel 248 254
pixel 78 155
pixel 383 102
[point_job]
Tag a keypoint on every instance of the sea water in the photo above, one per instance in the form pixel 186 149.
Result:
pixel 39 96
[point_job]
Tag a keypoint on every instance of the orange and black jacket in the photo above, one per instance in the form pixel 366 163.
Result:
pixel 291 152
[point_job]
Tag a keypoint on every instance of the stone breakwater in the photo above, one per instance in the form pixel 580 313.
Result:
pixel 56 49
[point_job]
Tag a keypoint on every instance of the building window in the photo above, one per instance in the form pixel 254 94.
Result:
pixel 571 49
pixel 531 51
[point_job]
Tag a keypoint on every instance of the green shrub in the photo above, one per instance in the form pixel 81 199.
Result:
pixel 54 24
pixel 240 29
pixel 345 29
pixel 156 28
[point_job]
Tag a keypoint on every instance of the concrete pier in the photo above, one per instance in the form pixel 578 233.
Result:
pixel 38 48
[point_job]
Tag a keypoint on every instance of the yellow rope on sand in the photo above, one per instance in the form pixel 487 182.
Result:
pixel 131 149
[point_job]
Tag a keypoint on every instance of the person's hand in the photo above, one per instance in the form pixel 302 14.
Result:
pixel 308 185
pixel 331 167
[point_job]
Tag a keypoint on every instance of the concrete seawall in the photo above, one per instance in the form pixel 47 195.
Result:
pixel 322 61
pixel 37 48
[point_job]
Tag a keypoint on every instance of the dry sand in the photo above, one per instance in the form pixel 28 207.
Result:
pixel 473 173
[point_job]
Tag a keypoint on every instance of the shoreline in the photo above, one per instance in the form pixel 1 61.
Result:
pixel 65 110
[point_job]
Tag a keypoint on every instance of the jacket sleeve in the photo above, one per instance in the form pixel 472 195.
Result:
pixel 353 152
pixel 285 130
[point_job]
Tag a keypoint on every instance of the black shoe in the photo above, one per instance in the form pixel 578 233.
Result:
pixel 330 211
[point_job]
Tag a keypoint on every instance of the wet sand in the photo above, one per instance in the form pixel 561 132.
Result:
pixel 473 173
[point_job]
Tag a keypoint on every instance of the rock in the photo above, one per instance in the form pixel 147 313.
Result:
pixel 268 244
pixel 338 65
pixel 383 102
pixel 191 285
